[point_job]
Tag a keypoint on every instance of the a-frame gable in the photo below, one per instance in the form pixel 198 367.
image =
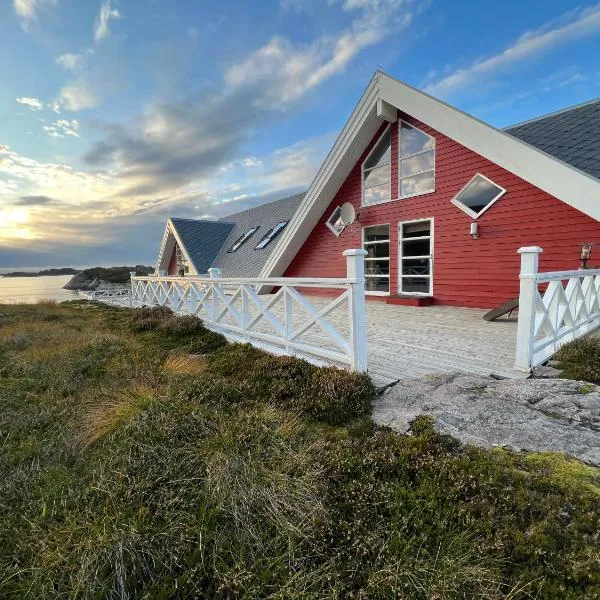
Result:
pixel 378 104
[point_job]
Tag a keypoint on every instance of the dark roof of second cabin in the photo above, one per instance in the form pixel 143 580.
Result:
pixel 571 135
pixel 202 240
pixel 246 261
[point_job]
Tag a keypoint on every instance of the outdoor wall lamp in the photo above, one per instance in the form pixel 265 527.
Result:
pixel 586 253
pixel 474 230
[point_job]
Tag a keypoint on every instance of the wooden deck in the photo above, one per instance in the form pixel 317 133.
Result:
pixel 409 341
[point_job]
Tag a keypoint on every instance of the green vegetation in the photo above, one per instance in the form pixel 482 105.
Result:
pixel 45 272
pixel 580 359
pixel 115 274
pixel 143 457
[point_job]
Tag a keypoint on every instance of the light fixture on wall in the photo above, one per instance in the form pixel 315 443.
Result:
pixel 474 230
pixel 586 253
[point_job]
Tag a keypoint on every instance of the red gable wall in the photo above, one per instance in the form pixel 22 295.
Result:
pixel 172 268
pixel 466 272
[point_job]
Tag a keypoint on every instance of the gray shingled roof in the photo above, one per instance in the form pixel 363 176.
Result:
pixel 246 261
pixel 202 240
pixel 571 135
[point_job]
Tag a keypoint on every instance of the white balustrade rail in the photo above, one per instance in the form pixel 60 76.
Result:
pixel 567 309
pixel 286 322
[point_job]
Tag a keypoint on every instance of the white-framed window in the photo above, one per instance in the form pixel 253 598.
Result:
pixel 376 241
pixel 416 257
pixel 478 195
pixel 270 235
pixel 416 161
pixel 242 239
pixel 377 172
pixel 334 223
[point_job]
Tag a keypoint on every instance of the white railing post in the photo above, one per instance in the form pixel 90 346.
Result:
pixel 355 272
pixel 131 284
pixel 527 307
pixel 214 273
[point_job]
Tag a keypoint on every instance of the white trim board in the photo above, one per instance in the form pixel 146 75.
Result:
pixel 572 186
pixel 171 231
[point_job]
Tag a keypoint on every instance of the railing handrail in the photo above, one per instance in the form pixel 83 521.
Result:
pixel 559 275
pixel 316 282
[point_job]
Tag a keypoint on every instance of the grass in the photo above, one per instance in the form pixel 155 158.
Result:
pixel 143 457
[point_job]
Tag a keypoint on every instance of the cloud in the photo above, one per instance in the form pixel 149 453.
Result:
pixel 63 127
pixel 77 95
pixel 70 62
pixel 287 72
pixel 570 26
pixel 252 162
pixel 34 201
pixel 107 12
pixel 31 103
pixel 27 10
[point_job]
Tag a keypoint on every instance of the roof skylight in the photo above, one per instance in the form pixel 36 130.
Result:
pixel 270 235
pixel 242 239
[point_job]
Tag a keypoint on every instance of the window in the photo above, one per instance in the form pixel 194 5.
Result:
pixel 416 168
pixel 242 239
pixel 377 172
pixel 376 241
pixel 270 235
pixel 478 195
pixel 334 223
pixel 415 257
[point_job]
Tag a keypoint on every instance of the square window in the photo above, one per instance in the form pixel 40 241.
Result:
pixel 478 195
pixel 334 223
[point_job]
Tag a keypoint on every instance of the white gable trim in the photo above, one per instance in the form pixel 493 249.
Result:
pixel 166 249
pixel 559 179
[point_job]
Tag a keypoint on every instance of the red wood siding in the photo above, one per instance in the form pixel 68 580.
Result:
pixel 172 269
pixel 466 272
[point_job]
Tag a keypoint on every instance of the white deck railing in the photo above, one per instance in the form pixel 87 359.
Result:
pixel 567 309
pixel 234 308
pixel 118 297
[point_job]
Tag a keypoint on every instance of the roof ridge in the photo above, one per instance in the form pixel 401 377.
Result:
pixel 235 214
pixel 552 114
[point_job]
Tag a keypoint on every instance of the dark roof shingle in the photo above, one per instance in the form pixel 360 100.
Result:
pixel 246 261
pixel 571 135
pixel 202 240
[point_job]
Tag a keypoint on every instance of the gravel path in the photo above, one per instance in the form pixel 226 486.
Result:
pixel 558 415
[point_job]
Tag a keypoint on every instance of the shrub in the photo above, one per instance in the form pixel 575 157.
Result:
pixel 181 326
pixel 580 359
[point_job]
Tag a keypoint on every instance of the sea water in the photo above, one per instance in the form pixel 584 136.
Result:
pixel 35 289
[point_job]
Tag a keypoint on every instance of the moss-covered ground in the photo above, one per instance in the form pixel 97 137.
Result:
pixel 143 457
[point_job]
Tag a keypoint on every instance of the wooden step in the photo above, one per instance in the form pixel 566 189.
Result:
pixel 410 300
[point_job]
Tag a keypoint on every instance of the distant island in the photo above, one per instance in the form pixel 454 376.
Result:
pixel 44 273
pixel 104 278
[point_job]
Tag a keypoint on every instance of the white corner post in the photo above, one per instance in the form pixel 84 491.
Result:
pixel 355 273
pixel 527 307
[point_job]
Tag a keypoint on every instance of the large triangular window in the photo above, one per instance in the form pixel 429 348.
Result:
pixel 377 172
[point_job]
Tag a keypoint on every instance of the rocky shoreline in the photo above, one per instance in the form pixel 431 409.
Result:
pixel 100 278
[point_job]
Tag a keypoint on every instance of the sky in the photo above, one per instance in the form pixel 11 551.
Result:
pixel 117 114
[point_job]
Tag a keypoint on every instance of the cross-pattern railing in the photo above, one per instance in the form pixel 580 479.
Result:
pixel 284 322
pixel 554 308
pixel 118 297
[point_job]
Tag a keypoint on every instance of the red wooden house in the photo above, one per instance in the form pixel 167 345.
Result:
pixel 443 200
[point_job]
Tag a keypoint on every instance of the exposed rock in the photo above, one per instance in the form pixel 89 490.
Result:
pixel 102 278
pixel 558 415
